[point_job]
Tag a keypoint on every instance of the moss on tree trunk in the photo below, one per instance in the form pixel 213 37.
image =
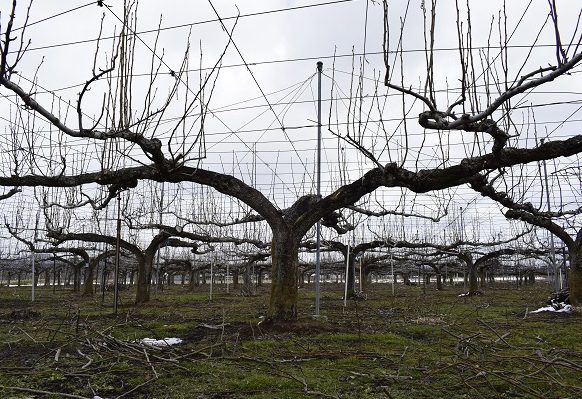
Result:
pixel 473 284
pixel 351 277
pixel 284 255
pixel 575 276
pixel 89 277
pixel 144 270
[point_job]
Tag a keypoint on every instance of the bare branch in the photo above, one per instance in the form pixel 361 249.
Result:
pixel 480 184
pixel 10 193
pixel 541 222
pixel 386 212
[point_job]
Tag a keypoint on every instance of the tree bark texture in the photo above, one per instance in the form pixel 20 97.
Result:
pixel 575 273
pixel 351 277
pixel 285 263
pixel 439 281
pixel 89 277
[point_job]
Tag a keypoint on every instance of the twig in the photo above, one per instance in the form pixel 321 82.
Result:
pixel 57 330
pixel 501 337
pixel 216 327
pixel 199 351
pixel 319 394
pixel 33 340
pixel 134 388
pixel 57 355
pixel 86 357
pixel 64 395
pixel 150 363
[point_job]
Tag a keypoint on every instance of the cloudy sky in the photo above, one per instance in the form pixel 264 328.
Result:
pixel 260 118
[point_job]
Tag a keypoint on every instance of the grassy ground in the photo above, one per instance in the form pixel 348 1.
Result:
pixel 419 344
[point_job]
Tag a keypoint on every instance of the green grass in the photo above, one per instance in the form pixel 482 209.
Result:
pixel 419 344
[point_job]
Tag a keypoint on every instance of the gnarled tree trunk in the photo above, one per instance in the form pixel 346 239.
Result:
pixel 77 277
pixel 366 277
pixel 248 288
pixel 89 277
pixel 47 278
pixel 144 273
pixel 351 276
pixel 473 282
pixel 575 273
pixel 235 283
pixel 285 263
pixel 482 280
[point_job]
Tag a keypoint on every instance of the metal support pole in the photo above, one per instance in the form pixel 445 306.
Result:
pixel 318 227
pixel 347 271
pixel 104 271
pixel 34 256
pixel 227 274
pixel 361 283
pixel 461 235
pixel 564 266
pixel 557 277
pixel 392 272
pixel 211 278
pixel 54 274
pixel 104 278
pixel 117 257
pixel 33 274
pixel 157 280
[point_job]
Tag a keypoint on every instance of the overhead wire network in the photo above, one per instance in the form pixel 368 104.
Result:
pixel 262 13
pixel 310 126
pixel 162 61
pixel 241 130
pixel 172 27
pixel 233 42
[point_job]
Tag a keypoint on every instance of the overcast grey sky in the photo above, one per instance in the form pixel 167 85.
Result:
pixel 281 41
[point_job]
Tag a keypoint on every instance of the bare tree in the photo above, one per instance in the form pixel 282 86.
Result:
pixel 563 224
pixel 177 161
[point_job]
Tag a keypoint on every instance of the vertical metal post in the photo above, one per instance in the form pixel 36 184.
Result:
pixel 54 274
pixel 33 274
pixel 104 271
pixel 104 278
pixel 318 227
pixel 462 237
pixel 392 272
pixel 564 268
pixel 361 283
pixel 557 277
pixel 227 275
pixel 347 271
pixel 157 270
pixel 117 257
pixel 211 277
pixel 34 256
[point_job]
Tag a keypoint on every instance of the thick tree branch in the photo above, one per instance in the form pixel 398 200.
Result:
pixel 480 184
pixel 508 251
pixel 541 222
pixel 173 231
pixel 59 237
pixel 307 210
pixel 249 218
pixel 10 193
pixel 435 179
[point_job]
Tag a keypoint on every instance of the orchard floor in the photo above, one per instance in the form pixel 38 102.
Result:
pixel 421 343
